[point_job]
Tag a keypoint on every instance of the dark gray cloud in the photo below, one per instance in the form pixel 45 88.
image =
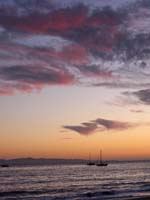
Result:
pixel 86 128
pixel 99 125
pixel 134 48
pixel 95 70
pixel 32 75
pixel 111 124
pixel 143 96
pixel 26 79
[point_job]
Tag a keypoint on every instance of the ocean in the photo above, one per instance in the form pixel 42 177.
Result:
pixel 75 182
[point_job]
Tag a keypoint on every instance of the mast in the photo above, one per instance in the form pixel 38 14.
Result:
pixel 89 157
pixel 101 163
pixel 100 156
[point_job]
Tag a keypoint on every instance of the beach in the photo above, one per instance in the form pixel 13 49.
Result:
pixel 140 198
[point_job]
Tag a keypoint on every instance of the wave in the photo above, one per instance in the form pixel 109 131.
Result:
pixel 33 192
pixel 21 192
pixel 102 193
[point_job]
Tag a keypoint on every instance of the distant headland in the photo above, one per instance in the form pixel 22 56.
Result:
pixel 53 161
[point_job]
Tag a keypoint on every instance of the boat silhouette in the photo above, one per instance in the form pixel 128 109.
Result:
pixel 90 162
pixel 4 165
pixel 101 163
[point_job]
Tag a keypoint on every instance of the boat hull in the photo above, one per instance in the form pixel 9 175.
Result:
pixel 102 164
pixel 90 164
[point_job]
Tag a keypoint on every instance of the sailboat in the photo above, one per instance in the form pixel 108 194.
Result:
pixel 101 163
pixel 4 165
pixel 90 162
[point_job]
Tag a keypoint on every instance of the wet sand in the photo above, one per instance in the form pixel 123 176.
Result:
pixel 144 198
pixel 141 198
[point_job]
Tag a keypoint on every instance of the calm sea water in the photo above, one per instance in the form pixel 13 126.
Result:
pixel 75 182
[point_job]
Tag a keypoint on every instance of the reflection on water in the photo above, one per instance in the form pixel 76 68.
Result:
pixel 76 182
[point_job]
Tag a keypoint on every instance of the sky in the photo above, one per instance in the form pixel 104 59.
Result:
pixel 74 78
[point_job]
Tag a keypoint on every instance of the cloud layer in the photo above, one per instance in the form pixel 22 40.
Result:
pixel 103 43
pixel 99 125
pixel 139 96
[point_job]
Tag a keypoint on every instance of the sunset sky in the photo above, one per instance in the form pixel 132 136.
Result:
pixel 75 78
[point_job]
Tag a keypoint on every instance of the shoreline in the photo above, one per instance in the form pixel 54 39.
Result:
pixel 139 198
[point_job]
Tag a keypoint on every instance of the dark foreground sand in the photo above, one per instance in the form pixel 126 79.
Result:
pixel 140 198
pixel 144 198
